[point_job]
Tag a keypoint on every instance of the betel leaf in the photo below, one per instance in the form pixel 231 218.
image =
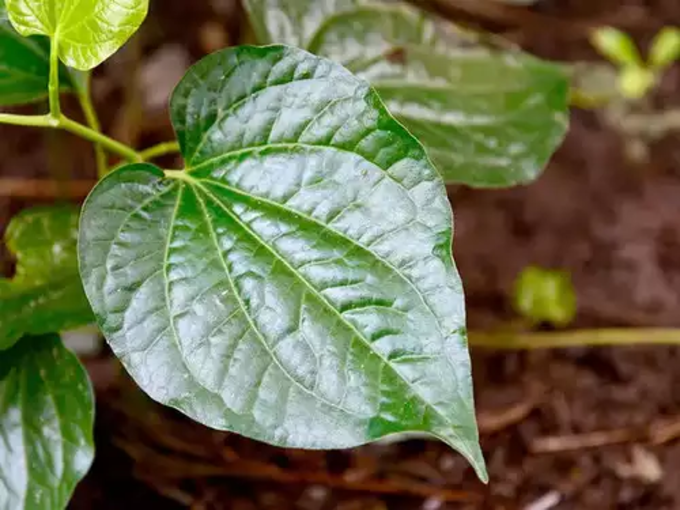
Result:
pixel 25 66
pixel 295 282
pixel 488 115
pixel 46 421
pixel 46 294
pixel 87 32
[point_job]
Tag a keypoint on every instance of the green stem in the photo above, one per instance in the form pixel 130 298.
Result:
pixel 47 121
pixel 99 138
pixel 85 99
pixel 585 101
pixel 159 150
pixel 575 338
pixel 53 86
pixel 29 120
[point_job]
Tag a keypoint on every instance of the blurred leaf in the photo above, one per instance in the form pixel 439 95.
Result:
pixel 46 421
pixel 295 283
pixel 594 84
pixel 543 295
pixel 635 82
pixel 87 32
pixel 665 48
pixel 45 294
pixel 616 46
pixel 25 67
pixel 487 114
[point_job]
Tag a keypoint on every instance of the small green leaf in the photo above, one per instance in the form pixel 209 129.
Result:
pixel 547 296
pixel 46 294
pixel 295 283
pixel 46 421
pixel 635 82
pixel 665 48
pixel 616 46
pixel 86 31
pixel 24 66
pixel 488 116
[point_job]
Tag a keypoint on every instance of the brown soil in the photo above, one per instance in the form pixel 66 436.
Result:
pixel 592 428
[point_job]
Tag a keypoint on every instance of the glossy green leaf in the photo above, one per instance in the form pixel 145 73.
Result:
pixel 295 283
pixel 46 421
pixel 24 66
pixel 86 31
pixel 488 116
pixel 45 294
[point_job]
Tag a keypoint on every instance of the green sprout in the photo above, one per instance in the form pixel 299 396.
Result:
pixel 635 76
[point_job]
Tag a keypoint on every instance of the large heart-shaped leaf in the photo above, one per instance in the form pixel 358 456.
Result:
pixel 46 294
pixel 46 420
pixel 487 115
pixel 25 66
pixel 295 282
pixel 87 32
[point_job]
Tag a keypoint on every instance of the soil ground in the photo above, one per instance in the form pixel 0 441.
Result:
pixel 581 428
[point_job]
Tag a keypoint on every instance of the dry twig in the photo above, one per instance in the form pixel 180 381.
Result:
pixel 659 432
pixel 492 422
pixel 172 467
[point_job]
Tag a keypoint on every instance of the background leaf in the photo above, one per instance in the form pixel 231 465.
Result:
pixel 45 294
pixel 87 31
pixel 295 283
pixel 46 421
pixel 24 66
pixel 487 114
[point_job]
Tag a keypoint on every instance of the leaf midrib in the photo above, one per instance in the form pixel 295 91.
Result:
pixel 276 205
pixel 246 313
pixel 323 299
pixel 171 326
pixel 214 161
pixel 428 86
pixel 23 378
pixel 57 412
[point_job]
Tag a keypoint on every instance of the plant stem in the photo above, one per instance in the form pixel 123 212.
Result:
pixel 53 87
pixel 159 150
pixel 91 117
pixel 581 99
pixel 576 338
pixel 96 137
pixel 55 119
pixel 29 120
pixel 47 121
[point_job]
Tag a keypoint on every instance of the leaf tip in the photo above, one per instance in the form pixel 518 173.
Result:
pixel 475 457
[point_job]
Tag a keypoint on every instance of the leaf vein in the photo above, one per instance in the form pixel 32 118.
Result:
pixel 242 305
